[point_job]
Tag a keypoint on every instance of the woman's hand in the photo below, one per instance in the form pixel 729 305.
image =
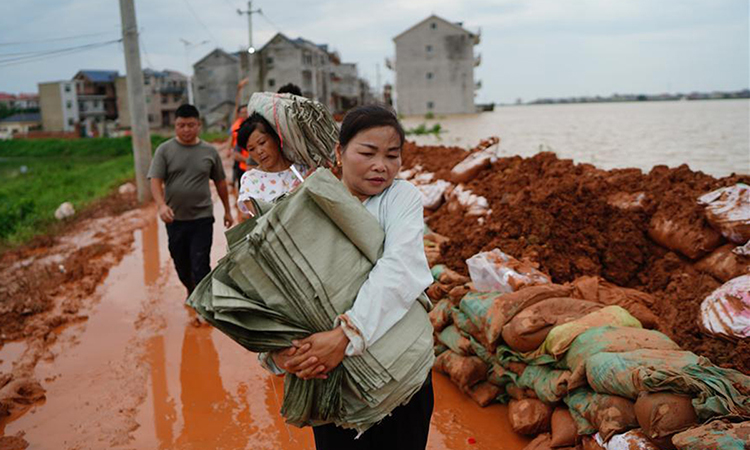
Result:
pixel 281 357
pixel 327 350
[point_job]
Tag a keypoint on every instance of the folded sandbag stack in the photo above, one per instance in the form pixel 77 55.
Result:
pixel 580 364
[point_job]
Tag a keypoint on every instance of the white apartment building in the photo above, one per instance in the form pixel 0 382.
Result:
pixel 58 102
pixel 435 68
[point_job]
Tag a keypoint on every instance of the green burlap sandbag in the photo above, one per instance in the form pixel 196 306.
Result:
pixel 609 339
pixel 715 391
pixel 603 413
pixel 717 435
pixel 549 384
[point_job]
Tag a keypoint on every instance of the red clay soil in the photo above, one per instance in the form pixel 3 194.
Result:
pixel 574 220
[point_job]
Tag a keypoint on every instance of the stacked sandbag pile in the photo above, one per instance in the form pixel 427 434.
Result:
pixel 673 233
pixel 576 360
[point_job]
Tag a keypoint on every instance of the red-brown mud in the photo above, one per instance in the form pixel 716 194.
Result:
pixel 575 219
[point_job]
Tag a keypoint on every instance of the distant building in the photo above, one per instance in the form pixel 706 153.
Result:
pixel 320 74
pixel 165 91
pixel 21 101
pixel 215 85
pixel 435 68
pixel 283 60
pixel 20 123
pixel 97 98
pixel 58 102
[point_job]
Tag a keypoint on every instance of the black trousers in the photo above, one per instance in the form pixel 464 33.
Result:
pixel 190 246
pixel 405 429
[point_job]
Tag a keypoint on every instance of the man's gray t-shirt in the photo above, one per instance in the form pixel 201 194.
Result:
pixel 186 170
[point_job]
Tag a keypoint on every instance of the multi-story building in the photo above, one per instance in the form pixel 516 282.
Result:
pixel 435 68
pixel 215 86
pixel 283 60
pixel 97 98
pixel 165 91
pixel 320 75
pixel 58 101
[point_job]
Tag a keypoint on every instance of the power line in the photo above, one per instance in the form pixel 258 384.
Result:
pixel 192 11
pixel 270 21
pixel 52 54
pixel 145 52
pixel 56 39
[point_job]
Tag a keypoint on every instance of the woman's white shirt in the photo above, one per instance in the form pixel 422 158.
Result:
pixel 399 276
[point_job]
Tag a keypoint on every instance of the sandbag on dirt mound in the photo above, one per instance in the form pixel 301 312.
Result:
pixel 516 392
pixel 495 271
pixel 689 238
pixel 549 385
pixel 528 329
pixel 726 312
pixel 595 289
pixel 464 371
pixel 724 263
pixel 662 415
pixel 728 210
pixel 529 416
pixel 717 435
pixel 458 343
pixel 564 432
pixel 440 316
pixel 613 340
pixel 715 391
pixel 607 414
pixel 483 393
pixel 560 337
pixel 492 311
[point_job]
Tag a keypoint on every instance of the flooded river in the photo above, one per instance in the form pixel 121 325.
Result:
pixel 712 136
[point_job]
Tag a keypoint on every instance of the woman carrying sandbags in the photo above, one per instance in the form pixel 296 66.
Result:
pixel 369 156
pixel 286 135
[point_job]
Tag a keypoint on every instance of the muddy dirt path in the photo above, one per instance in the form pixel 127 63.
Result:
pixel 134 370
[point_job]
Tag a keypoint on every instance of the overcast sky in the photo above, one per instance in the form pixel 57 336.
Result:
pixel 530 48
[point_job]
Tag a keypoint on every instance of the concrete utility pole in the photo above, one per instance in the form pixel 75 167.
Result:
pixel 136 100
pixel 250 12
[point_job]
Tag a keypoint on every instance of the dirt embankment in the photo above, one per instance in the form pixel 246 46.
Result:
pixel 576 219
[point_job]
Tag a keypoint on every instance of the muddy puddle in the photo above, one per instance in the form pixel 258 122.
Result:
pixel 140 373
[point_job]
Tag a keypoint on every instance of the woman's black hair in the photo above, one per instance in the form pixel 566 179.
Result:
pixel 365 117
pixel 255 122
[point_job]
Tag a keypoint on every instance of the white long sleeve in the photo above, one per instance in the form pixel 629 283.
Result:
pixel 399 276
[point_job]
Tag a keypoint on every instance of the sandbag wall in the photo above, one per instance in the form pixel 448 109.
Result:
pixel 575 362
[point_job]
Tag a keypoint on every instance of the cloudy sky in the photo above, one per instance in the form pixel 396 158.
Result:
pixel 530 48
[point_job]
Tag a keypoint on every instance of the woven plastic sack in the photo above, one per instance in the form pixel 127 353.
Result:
pixel 451 336
pixel 528 330
pixel 716 391
pixel 529 416
pixel 305 127
pixel 433 194
pixel 495 271
pixel 613 340
pixel 607 414
pixel 717 435
pixel 662 415
pixel 726 311
pixel 550 385
pixel 560 337
pixel 493 311
pixel 440 316
pixel 637 303
pixel 464 371
pixel 725 263
pixel 728 210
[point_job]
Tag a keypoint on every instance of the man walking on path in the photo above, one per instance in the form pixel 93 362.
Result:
pixel 179 176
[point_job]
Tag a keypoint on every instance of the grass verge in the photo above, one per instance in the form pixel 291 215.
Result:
pixel 37 175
